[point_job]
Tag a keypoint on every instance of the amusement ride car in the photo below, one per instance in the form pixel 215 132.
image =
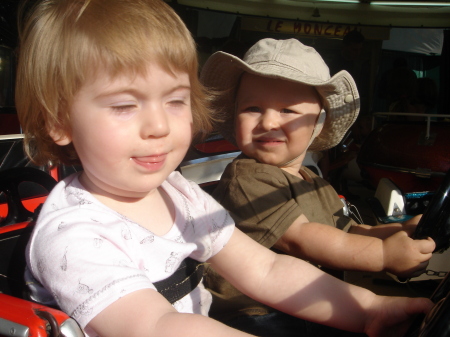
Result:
pixel 402 167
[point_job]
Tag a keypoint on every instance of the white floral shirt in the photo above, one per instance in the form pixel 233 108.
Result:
pixel 85 256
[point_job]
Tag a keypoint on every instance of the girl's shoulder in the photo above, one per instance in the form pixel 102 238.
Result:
pixel 70 207
pixel 181 189
pixel 69 193
pixel 175 182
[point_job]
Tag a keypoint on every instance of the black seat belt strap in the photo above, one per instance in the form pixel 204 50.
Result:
pixel 185 279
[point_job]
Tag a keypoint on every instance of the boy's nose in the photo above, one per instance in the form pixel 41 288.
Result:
pixel 155 123
pixel 270 119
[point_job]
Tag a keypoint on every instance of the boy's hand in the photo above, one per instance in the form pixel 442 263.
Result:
pixel 392 316
pixel 405 257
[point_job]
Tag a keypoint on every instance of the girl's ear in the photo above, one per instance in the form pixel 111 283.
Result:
pixel 60 136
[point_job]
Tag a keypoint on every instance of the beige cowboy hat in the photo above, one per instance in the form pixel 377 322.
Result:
pixel 292 61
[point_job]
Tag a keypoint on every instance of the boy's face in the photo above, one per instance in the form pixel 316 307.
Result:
pixel 275 119
pixel 130 133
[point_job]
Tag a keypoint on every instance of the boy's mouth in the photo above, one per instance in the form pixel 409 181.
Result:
pixel 268 141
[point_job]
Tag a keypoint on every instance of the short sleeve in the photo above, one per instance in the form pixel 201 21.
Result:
pixel 212 224
pixel 260 200
pixel 86 267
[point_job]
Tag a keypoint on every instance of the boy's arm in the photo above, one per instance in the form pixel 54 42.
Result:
pixel 334 248
pixel 298 288
pixel 386 230
pixel 146 313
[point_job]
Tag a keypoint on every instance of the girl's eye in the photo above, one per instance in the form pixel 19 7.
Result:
pixel 178 102
pixel 123 108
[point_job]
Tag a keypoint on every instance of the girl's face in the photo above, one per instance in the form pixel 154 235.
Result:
pixel 130 133
pixel 275 119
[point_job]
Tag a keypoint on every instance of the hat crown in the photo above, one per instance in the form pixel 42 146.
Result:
pixel 290 54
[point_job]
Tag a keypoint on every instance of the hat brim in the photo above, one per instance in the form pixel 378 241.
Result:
pixel 222 73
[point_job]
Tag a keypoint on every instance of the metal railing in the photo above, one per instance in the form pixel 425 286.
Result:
pixel 428 118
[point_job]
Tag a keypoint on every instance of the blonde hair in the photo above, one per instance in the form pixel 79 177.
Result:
pixel 63 42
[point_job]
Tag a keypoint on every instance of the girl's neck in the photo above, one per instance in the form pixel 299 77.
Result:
pixel 154 211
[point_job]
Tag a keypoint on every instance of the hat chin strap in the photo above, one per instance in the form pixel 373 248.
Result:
pixel 317 129
pixel 319 125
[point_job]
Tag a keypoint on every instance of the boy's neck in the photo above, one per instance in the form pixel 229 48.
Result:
pixel 291 161
pixel 295 170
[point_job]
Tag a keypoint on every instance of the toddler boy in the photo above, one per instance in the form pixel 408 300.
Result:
pixel 277 103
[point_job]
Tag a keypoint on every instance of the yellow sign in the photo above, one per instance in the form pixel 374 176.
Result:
pixel 316 29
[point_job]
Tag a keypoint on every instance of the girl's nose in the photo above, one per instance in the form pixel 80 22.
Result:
pixel 155 123
pixel 269 119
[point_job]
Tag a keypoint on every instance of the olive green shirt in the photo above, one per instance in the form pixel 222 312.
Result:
pixel 264 201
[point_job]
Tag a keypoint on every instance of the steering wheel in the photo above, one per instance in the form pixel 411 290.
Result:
pixel 435 221
pixel 9 184
pixel 437 322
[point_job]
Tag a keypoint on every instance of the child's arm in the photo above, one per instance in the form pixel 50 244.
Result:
pixel 386 230
pixel 298 288
pixel 284 282
pixel 146 313
pixel 334 248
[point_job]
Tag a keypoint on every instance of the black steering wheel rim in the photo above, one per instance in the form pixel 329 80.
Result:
pixel 435 221
pixel 437 322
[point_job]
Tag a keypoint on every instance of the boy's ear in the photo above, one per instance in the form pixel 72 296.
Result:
pixel 60 136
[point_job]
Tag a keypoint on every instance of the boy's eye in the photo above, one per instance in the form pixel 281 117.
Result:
pixel 251 109
pixel 287 111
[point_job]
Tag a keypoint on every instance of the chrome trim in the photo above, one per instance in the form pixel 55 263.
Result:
pixel 8 328
pixel 206 169
pixel 12 136
pixel 419 172
pixel 70 328
pixel 210 158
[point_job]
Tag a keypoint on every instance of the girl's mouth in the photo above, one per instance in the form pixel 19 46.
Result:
pixel 152 163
